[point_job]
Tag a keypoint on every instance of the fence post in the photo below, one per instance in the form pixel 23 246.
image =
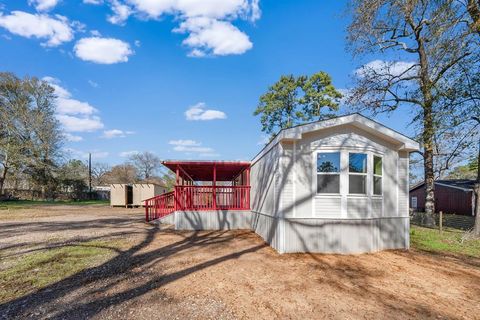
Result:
pixel 440 222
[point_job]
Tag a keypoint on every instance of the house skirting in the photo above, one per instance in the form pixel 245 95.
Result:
pixel 212 220
pixel 289 235
pixel 345 235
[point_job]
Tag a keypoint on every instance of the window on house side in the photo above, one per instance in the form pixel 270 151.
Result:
pixel 328 172
pixel 377 175
pixel 414 202
pixel 357 178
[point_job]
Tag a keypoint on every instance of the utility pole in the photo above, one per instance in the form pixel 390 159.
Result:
pixel 89 175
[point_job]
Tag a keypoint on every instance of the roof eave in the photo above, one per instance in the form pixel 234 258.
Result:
pixel 358 120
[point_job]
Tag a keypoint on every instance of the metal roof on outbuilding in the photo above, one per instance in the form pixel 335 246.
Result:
pixel 462 184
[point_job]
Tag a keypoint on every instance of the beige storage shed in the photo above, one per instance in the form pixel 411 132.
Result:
pixel 121 195
pixel 143 191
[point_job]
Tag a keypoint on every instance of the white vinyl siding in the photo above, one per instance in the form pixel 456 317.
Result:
pixel 357 207
pixel 328 207
pixel 403 184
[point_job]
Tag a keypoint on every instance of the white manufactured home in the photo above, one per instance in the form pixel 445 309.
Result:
pixel 338 185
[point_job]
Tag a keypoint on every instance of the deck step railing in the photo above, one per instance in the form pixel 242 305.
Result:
pixel 159 206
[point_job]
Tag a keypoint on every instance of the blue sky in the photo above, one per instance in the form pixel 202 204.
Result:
pixel 126 79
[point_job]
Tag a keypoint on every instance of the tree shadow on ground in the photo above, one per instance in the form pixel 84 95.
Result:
pixel 130 266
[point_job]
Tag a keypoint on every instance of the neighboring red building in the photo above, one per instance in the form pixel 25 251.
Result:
pixel 451 196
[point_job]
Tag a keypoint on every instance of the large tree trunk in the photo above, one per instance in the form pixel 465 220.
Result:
pixel 2 179
pixel 428 167
pixel 428 133
pixel 476 228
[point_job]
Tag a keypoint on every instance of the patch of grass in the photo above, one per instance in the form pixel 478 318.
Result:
pixel 23 204
pixel 449 241
pixel 20 275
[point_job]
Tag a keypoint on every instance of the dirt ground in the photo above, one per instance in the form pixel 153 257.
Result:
pixel 164 274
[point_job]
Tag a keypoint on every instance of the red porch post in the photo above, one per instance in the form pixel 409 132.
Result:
pixel 147 203
pixel 214 186
pixel 175 195
pixel 248 189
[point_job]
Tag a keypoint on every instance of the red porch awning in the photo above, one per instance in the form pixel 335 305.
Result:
pixel 204 170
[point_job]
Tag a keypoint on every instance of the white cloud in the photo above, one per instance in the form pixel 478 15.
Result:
pixel 208 23
pixel 192 146
pixel 80 123
pixel 121 12
pixel 127 154
pixel 219 9
pixel 115 133
pixel 93 83
pixel 55 30
pixel 211 36
pixel 74 115
pixel 72 138
pixel 387 69
pixel 103 50
pixel 199 112
pixel 184 143
pixel 43 5
pixel 346 96
pixel 96 154
pixel 65 103
pixel 72 106
pixel 95 2
pixel 255 12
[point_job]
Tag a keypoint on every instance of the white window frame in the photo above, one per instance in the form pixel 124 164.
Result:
pixel 365 174
pixel 376 175
pixel 339 173
pixel 344 194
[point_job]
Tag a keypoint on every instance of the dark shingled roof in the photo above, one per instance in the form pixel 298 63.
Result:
pixel 458 183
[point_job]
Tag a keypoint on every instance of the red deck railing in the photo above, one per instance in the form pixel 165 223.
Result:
pixel 198 198
pixel 159 206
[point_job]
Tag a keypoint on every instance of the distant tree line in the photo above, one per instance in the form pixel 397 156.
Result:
pixel 30 135
pixel 32 156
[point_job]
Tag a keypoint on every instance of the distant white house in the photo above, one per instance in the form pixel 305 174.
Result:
pixel 338 185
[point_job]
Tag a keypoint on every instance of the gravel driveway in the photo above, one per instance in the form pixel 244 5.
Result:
pixel 159 273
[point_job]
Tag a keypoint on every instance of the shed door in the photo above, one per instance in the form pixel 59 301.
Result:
pixel 129 195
